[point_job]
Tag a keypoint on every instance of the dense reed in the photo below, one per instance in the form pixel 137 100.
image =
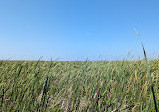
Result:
pixel 78 86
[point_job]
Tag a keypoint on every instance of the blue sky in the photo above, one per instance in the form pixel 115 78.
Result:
pixel 78 29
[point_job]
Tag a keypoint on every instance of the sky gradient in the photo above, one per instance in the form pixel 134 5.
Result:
pixel 78 29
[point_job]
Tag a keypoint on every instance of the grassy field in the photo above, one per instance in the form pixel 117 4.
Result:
pixel 78 86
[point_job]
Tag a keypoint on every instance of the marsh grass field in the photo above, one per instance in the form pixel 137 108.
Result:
pixel 52 86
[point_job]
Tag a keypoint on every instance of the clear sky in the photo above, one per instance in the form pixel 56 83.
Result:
pixel 78 29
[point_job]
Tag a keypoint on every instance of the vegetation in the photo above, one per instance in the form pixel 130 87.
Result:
pixel 78 86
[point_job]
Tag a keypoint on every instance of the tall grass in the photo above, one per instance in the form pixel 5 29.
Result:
pixel 78 86
pixel 148 72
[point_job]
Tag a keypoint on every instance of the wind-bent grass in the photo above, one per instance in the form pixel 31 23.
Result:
pixel 78 86
pixel 148 72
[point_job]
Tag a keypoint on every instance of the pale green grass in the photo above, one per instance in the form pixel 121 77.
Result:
pixel 78 86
